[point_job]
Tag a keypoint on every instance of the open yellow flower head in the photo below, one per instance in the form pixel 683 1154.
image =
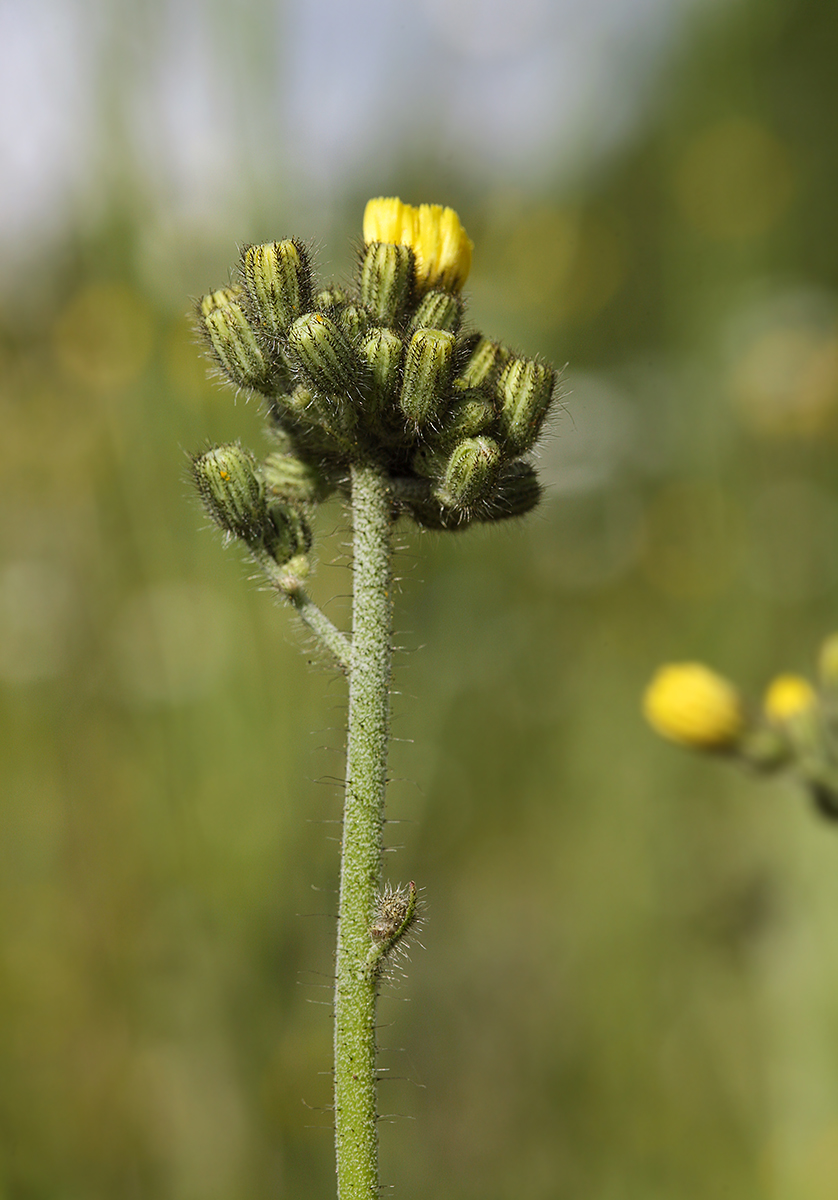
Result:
pixel 787 697
pixel 692 705
pixel 441 246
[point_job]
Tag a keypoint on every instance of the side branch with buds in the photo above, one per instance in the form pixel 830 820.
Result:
pixel 796 730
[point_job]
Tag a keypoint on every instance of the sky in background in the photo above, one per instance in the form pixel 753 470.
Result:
pixel 198 106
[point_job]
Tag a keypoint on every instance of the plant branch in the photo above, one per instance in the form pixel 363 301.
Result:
pixel 330 637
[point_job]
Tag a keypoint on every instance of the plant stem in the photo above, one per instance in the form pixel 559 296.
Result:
pixel 289 585
pixel 317 621
pixel 356 1130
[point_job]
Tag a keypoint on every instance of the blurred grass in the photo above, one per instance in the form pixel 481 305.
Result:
pixel 628 987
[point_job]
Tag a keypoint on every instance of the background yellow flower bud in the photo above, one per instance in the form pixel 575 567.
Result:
pixel 787 696
pixel 692 705
pixel 828 661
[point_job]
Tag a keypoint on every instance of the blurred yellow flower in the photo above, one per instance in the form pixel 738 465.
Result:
pixel 787 696
pixel 828 661
pixel 440 244
pixel 692 705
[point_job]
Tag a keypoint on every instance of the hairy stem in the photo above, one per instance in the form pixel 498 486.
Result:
pixel 356 1132
pixel 329 636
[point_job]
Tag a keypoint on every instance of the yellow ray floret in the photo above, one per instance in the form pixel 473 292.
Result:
pixel 787 697
pixel 692 705
pixel 440 244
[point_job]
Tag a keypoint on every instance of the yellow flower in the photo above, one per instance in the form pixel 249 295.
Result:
pixel 787 697
pixel 828 662
pixel 440 244
pixel 692 705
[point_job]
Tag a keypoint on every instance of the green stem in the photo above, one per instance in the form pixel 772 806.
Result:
pixel 356 1131
pixel 329 635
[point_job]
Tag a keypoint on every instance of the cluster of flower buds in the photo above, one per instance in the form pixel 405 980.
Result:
pixel 233 488
pixel 796 728
pixel 382 373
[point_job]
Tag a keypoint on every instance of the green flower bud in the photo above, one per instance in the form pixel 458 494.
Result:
pixel 516 492
pixel 325 354
pixel 354 320
pixel 382 351
pixel 828 662
pixel 277 278
pixel 314 424
pixel 525 389
pixel 330 298
pixel 470 472
pixel 471 414
pixel 438 310
pixel 431 514
pixel 288 477
pixel 387 278
pixel 233 341
pixel 295 406
pixel 487 359
pixel 282 439
pixel 291 536
pixel 233 491
pixel 427 373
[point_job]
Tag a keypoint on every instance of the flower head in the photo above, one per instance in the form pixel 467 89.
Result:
pixel 692 705
pixel 787 697
pixel 381 371
pixel 441 246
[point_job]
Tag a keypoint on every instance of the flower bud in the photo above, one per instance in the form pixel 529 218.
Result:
pixel 791 706
pixel 469 474
pixel 789 697
pixel 233 491
pixel 324 353
pixel 289 477
pixel 525 389
pixel 282 439
pixel 438 310
pixel 387 280
pixel 441 246
pixel 471 414
pixel 330 298
pixel 431 514
pixel 692 705
pixel 295 406
pixel 354 321
pixel 487 359
pixel 290 533
pixel 233 341
pixel 515 493
pixel 277 277
pixel 427 373
pixel 828 662
pixel 382 351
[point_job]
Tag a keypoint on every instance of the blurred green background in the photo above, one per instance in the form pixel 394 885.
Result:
pixel 629 983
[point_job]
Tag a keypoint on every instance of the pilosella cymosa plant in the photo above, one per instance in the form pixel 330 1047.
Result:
pixel 378 392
